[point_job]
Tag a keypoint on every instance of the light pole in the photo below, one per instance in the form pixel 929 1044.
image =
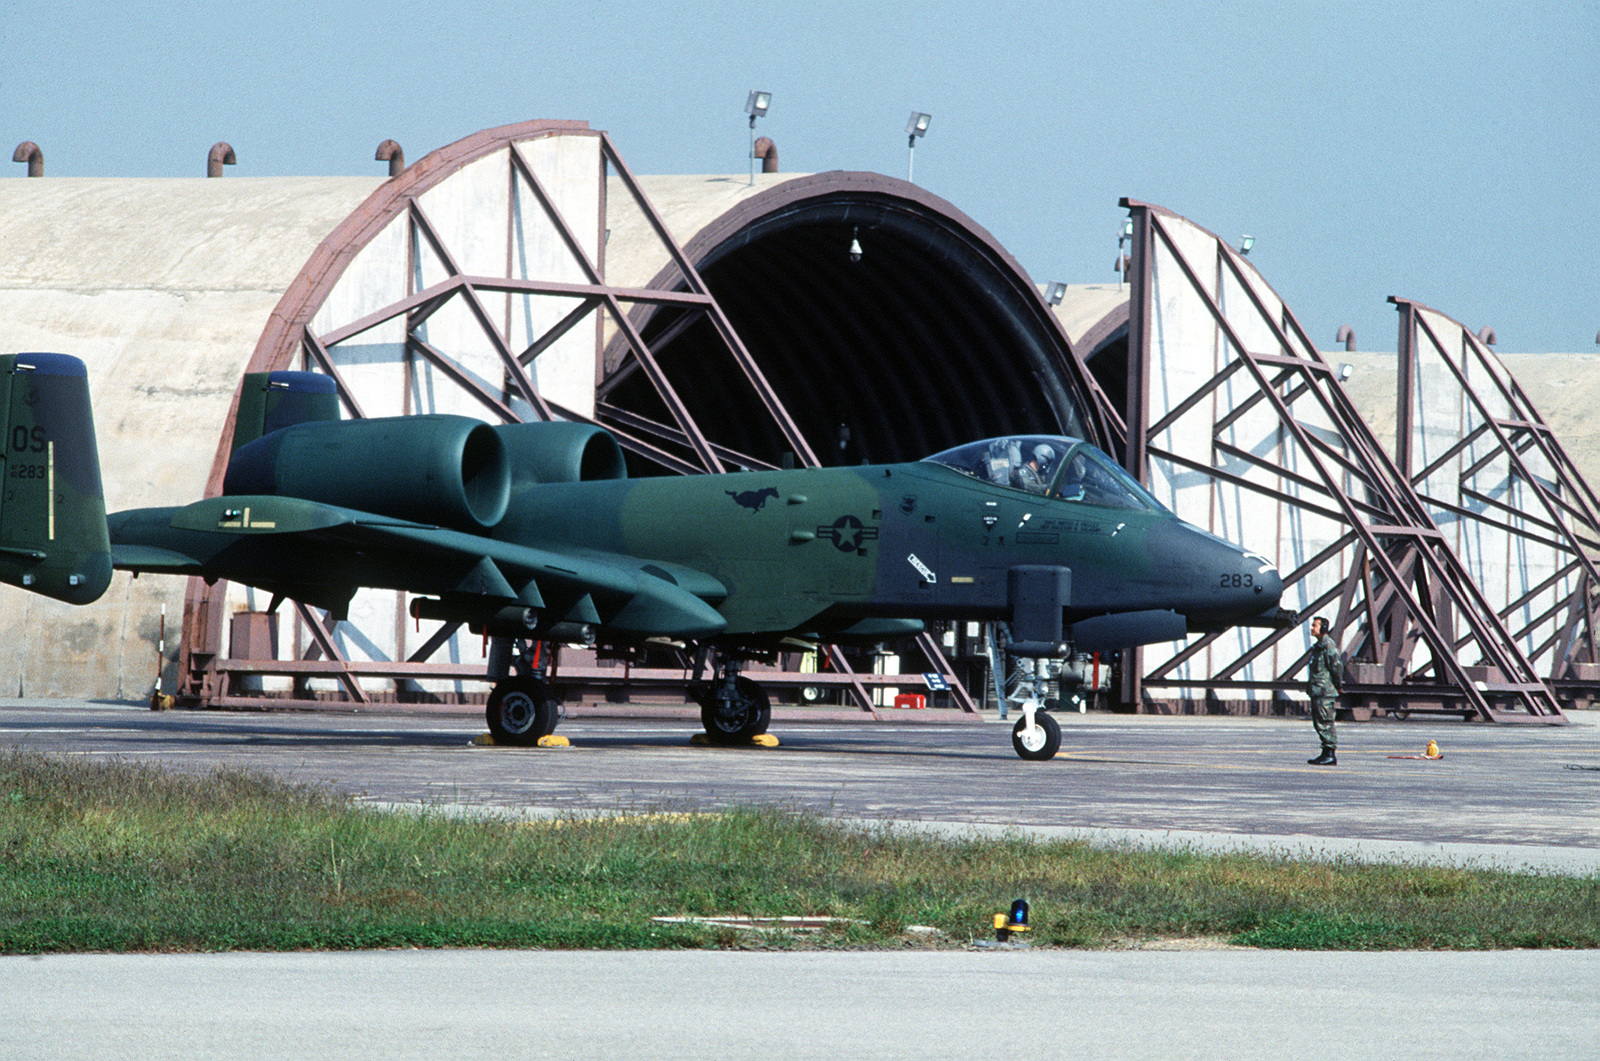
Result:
pixel 755 106
pixel 1124 239
pixel 917 126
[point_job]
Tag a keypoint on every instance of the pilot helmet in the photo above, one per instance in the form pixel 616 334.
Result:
pixel 1044 455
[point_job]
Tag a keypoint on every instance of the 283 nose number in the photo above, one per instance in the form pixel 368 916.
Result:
pixel 1237 581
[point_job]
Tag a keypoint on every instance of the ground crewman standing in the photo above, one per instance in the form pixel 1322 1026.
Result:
pixel 1323 686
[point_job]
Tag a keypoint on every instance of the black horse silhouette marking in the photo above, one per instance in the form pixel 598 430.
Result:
pixel 754 500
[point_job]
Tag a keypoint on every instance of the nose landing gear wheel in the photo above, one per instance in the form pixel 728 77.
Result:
pixel 521 710
pixel 745 715
pixel 1040 745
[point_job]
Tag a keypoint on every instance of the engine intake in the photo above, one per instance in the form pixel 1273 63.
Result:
pixel 447 470
pixel 561 452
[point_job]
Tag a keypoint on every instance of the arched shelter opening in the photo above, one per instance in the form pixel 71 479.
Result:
pixel 888 324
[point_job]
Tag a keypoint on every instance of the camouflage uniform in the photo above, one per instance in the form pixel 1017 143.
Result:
pixel 1324 689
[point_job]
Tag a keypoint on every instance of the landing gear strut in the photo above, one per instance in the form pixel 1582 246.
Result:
pixel 733 708
pixel 1036 736
pixel 521 706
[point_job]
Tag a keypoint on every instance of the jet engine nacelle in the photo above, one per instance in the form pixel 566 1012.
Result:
pixel 561 452
pixel 451 471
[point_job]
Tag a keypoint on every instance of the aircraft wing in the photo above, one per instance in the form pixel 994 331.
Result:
pixel 322 553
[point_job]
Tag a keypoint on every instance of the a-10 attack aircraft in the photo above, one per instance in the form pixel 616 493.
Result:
pixel 532 532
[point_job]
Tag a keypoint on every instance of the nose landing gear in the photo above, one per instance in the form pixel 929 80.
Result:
pixel 1036 736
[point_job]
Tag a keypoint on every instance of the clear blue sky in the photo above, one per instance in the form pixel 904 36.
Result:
pixel 1441 151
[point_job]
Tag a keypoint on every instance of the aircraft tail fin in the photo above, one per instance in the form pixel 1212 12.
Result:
pixel 53 534
pixel 269 401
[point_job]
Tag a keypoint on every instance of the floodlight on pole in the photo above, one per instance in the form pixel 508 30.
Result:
pixel 1245 243
pixel 1120 267
pixel 756 106
pixel 1055 292
pixel 917 126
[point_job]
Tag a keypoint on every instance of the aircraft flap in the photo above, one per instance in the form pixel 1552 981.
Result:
pixel 129 557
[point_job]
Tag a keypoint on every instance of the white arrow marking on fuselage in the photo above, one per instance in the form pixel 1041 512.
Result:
pixel 922 569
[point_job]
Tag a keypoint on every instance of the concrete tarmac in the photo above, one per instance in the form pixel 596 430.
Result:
pixel 1239 1005
pixel 1516 796
pixel 1502 796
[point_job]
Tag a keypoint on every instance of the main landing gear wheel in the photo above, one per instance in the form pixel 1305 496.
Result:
pixel 521 710
pixel 736 718
pixel 1042 743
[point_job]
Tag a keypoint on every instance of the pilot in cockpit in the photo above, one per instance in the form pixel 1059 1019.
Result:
pixel 1034 476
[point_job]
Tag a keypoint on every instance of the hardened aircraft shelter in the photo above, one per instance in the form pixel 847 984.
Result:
pixel 525 273
pixel 1244 428
pixel 1505 493
pixel 714 323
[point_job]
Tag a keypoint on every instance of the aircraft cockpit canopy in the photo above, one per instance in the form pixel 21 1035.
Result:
pixel 1050 465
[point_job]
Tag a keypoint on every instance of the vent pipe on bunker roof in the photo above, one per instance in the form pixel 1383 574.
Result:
pixel 29 152
pixel 767 152
pixel 1347 336
pixel 221 155
pixel 389 151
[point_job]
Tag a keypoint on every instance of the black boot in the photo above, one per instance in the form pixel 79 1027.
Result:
pixel 1327 758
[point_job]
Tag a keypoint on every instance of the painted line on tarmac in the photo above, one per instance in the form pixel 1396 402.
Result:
pixel 81 730
pixel 1252 767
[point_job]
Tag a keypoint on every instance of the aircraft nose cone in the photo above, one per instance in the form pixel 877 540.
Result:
pixel 1239 585
pixel 1268 583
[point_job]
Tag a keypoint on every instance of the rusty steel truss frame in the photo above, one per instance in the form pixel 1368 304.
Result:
pixel 290 340
pixel 1505 481
pixel 1420 635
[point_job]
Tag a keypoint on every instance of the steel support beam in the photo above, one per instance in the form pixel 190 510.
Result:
pixel 1399 585
pixel 1506 481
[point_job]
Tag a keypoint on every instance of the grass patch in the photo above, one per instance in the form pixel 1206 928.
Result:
pixel 122 857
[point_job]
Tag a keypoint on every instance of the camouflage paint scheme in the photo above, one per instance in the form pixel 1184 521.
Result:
pixel 822 548
pixel 521 529
pixel 532 532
